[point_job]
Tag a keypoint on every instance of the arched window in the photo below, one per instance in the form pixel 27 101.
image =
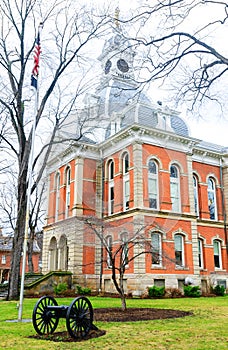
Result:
pixel 110 187
pixel 156 249
pixel 211 191
pixel 53 256
pixel 109 251
pixel 124 250
pixel 175 188
pixel 125 163
pixel 126 182
pixel 217 254
pixel 153 184
pixel 200 253
pixel 57 195
pixel 67 191
pixel 63 254
pixel 179 250
pixel 196 197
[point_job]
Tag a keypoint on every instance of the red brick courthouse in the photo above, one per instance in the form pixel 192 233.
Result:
pixel 137 167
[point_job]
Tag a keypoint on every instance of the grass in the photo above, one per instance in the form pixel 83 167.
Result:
pixel 206 329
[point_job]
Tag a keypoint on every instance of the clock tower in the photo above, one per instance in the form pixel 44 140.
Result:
pixel 117 56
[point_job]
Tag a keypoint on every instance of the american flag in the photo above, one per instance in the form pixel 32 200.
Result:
pixel 37 52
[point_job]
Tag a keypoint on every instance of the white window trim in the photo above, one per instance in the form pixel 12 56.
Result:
pixel 110 187
pixel 176 181
pixel 109 240
pixel 152 177
pixel 126 179
pixel 196 195
pixel 110 201
pixel 126 197
pixel 214 193
pixel 160 250
pixel 220 255
pixel 200 252
pixel 182 250
pixel 67 199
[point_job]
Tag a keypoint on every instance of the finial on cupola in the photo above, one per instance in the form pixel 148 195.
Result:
pixel 116 17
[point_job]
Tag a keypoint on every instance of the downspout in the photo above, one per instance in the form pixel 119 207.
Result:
pixel 223 205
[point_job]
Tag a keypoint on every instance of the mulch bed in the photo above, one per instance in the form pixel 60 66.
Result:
pixel 116 315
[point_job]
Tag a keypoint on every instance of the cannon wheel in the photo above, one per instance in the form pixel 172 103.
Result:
pixel 79 317
pixel 44 320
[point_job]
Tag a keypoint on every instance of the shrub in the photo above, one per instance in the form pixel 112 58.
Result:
pixel 219 290
pixel 83 290
pixel 173 293
pixel 60 288
pixel 192 291
pixel 156 292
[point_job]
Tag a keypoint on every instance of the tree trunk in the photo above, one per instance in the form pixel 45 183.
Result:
pixel 18 239
pixel 123 302
pixel 30 249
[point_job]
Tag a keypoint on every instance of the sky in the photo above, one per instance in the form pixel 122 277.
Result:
pixel 210 123
pixel 214 130
pixel 210 126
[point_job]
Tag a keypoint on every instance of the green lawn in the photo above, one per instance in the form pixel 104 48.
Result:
pixel 206 329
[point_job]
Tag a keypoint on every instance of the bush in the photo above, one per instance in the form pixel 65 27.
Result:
pixel 60 288
pixel 156 292
pixel 219 290
pixel 192 291
pixel 173 293
pixel 83 290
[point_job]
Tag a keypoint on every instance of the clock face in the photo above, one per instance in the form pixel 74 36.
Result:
pixel 108 66
pixel 122 65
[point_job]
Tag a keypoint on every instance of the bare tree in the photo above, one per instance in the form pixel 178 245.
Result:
pixel 119 254
pixel 182 40
pixel 69 29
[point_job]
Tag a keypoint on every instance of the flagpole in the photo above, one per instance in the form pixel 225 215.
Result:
pixel 29 176
pixel 20 308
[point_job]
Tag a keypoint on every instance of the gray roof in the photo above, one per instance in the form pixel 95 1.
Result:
pixel 212 147
pixel 6 244
pixel 134 107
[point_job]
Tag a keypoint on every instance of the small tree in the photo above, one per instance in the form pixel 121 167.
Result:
pixel 121 253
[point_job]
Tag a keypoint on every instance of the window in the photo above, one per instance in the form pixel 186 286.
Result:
pixel 126 182
pixel 111 187
pixel 200 253
pixel 153 184
pixel 212 199
pixel 156 249
pixel 179 250
pixel 57 195
pixel 217 254
pixel 159 282
pixel 175 188
pixel 125 163
pixel 196 198
pixel 124 251
pixel 109 251
pixel 67 193
pixel 3 259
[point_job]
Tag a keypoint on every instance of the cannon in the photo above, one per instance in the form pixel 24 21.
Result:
pixel 79 316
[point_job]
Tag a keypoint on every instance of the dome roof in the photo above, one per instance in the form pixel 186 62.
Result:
pixel 179 126
pixel 117 96
pixel 121 100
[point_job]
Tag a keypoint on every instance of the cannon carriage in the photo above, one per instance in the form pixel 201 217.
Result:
pixel 78 315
